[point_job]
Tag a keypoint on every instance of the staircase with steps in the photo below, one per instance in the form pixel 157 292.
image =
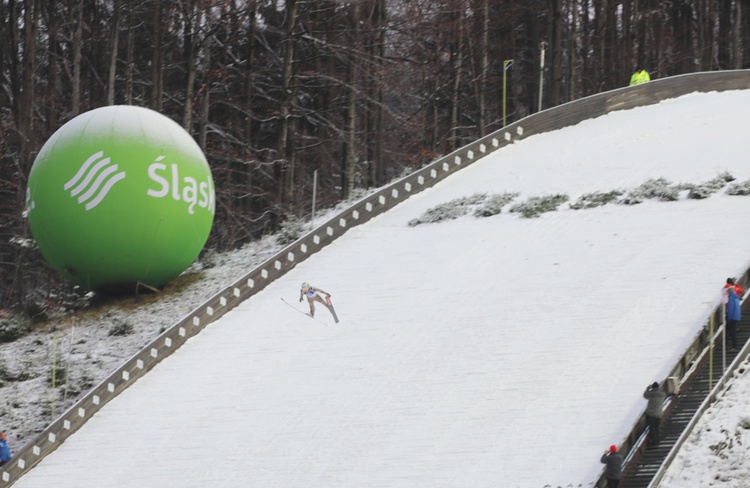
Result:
pixel 645 462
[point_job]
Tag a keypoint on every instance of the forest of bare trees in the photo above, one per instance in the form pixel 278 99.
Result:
pixel 359 90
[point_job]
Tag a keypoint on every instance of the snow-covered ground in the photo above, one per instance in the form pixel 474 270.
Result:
pixel 717 451
pixel 498 351
pixel 80 343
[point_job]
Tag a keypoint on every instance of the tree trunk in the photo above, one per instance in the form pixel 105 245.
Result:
pixel 457 61
pixel 682 23
pixel 373 90
pixel 249 79
pixel 354 81
pixel 585 47
pixel 640 35
pixel 4 33
pixel 77 41
pixel 556 66
pixel 206 93
pixel 190 41
pixel 724 46
pixel 285 164
pixel 572 42
pixel 113 55
pixel 627 58
pixel 736 49
pixel 378 165
pixel 611 40
pixel 157 70
pixel 485 56
pixel 53 55
pixel 743 14
pixel 26 105
pixel 706 22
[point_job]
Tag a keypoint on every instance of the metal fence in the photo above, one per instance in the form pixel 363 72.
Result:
pixel 384 199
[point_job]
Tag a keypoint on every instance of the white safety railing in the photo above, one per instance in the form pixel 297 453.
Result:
pixel 384 199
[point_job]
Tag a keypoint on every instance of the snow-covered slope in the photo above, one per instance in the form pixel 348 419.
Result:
pixel 478 352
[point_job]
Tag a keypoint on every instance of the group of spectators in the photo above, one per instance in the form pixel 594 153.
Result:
pixel 731 295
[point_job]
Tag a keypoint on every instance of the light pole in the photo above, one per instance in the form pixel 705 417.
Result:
pixel 542 48
pixel 506 64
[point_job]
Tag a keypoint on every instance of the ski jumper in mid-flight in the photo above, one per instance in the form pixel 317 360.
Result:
pixel 314 295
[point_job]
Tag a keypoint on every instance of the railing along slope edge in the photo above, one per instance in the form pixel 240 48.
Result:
pixel 696 353
pixel 685 370
pixel 686 367
pixel 380 201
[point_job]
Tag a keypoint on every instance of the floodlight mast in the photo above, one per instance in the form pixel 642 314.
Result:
pixel 542 49
pixel 506 64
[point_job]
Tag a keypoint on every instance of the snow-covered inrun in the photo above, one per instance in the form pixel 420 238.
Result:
pixel 501 351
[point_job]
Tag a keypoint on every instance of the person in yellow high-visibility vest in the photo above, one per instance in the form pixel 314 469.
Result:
pixel 640 76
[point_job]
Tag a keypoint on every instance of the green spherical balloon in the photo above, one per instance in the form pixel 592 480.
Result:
pixel 118 196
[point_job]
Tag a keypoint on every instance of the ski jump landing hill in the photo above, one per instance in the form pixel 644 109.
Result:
pixel 386 198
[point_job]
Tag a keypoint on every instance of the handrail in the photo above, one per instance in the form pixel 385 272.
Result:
pixel 382 200
pixel 710 400
pixel 685 369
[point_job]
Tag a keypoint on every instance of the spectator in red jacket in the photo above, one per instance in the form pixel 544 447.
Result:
pixel 731 282
pixel 734 315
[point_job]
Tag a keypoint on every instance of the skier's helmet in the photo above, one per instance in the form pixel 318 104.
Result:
pixel 305 285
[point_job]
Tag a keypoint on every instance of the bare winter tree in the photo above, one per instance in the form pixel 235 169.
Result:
pixel 358 91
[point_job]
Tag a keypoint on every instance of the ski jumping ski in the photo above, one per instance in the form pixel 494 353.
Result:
pixel 333 312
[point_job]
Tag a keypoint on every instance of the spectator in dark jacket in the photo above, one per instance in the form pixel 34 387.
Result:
pixel 4 448
pixel 613 468
pixel 734 315
pixel 654 410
